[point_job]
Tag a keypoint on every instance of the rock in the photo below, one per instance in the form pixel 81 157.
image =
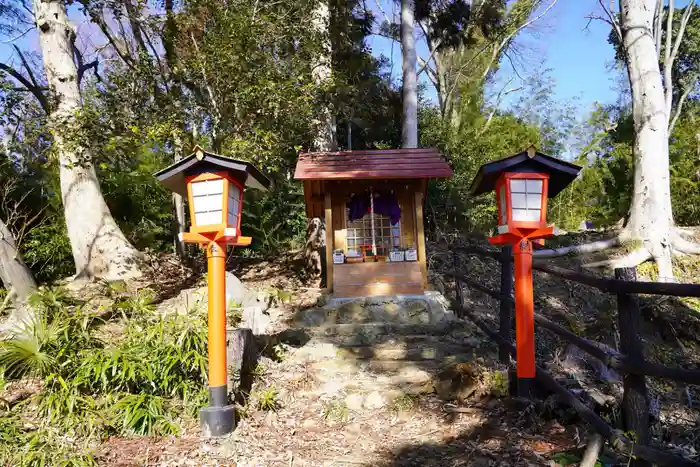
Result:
pixel 240 295
pixel 317 317
pixel 256 319
pixel 388 312
pixel 355 402
pixel 417 311
pixel 577 362
pixel 375 400
pixel 457 382
pixel 352 312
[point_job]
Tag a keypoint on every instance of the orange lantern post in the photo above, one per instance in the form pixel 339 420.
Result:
pixel 214 188
pixel 523 183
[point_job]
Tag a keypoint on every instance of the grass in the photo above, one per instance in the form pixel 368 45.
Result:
pixel 267 399
pixel 403 403
pixel 148 381
pixel 337 411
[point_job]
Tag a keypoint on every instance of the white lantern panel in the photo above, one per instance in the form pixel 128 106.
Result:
pixel 208 218
pixel 207 203
pixel 518 186
pixel 518 200
pixel 533 215
pixel 534 201
pixel 526 215
pixel 534 186
pixel 208 187
pixel 520 215
pixel 233 191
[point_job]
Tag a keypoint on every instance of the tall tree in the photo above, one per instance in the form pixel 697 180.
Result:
pixel 409 130
pixel 651 218
pixel 466 41
pixel 325 138
pixel 99 247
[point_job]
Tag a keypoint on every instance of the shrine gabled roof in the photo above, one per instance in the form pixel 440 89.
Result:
pixel 372 164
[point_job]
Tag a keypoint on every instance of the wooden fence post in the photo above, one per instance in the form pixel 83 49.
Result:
pixel 459 293
pixel 635 402
pixel 505 316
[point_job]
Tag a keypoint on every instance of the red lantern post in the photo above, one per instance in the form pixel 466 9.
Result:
pixel 522 184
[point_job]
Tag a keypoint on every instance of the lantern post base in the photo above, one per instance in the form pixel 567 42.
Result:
pixel 525 388
pixel 217 421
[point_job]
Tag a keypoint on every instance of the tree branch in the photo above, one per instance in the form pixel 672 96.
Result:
pixel 629 260
pixel 510 60
pixel 25 63
pixel 432 46
pixel 503 92
pixel 514 33
pixel 34 89
pixel 611 19
pixel 575 250
pixel 83 67
pixel 679 106
pixel 658 19
pixel 681 30
pixel 126 58
pixel 668 66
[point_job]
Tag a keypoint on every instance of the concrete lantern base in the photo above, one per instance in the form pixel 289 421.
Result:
pixel 217 421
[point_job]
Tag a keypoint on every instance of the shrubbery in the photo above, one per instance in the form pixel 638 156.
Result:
pixel 149 380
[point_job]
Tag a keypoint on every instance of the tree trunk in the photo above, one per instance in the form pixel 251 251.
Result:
pixel 99 247
pixel 14 273
pixel 325 139
pixel 16 277
pixel 178 206
pixel 651 218
pixel 409 127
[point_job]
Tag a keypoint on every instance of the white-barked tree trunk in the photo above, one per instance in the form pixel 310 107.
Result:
pixel 409 127
pixel 650 221
pixel 651 216
pixel 99 247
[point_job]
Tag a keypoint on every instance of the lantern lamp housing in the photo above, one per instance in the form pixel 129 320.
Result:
pixel 216 202
pixel 214 187
pixel 521 200
pixel 522 184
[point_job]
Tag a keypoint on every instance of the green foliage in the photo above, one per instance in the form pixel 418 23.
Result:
pixel 144 382
pixel 267 399
pixel 145 414
pixel 22 445
pixel 276 220
pixel 404 402
pixel 336 410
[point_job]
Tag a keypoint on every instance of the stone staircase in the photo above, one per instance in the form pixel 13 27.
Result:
pixel 373 351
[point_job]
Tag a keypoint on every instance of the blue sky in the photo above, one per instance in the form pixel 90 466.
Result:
pixel 575 51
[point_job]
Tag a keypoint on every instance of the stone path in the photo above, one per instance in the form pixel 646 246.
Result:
pixel 382 383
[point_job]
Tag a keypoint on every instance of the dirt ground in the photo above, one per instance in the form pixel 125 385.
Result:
pixel 313 404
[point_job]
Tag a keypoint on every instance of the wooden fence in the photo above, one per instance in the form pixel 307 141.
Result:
pixel 629 360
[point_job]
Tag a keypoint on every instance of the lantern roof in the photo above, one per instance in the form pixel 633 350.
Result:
pixel 200 161
pixel 561 173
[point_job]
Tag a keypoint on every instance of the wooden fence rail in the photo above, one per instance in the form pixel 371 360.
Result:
pixel 630 360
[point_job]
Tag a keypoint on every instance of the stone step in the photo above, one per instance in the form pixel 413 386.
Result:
pixel 383 328
pixel 415 354
pixel 377 309
pixel 375 333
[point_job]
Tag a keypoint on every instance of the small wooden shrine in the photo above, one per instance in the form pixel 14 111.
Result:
pixel 372 202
